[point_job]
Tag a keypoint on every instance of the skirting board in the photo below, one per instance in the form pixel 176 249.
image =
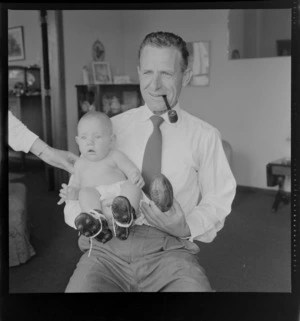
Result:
pixel 243 188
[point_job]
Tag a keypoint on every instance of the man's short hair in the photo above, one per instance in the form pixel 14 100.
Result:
pixel 166 39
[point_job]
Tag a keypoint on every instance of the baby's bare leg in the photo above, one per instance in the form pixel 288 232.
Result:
pixel 133 193
pixel 89 199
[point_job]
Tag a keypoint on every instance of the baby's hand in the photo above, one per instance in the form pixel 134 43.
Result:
pixel 68 193
pixel 137 179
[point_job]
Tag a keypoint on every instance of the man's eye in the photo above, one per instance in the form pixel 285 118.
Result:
pixel 83 137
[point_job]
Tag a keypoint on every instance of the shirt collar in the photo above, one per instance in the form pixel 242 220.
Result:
pixel 147 113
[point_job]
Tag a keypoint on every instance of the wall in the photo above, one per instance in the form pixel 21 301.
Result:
pixel 29 19
pixel 81 29
pixel 247 100
pixel 252 35
pixel 236 27
pixel 276 25
pixel 258 30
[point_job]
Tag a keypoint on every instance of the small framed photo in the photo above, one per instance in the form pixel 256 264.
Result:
pixel 16 50
pixel 101 73
pixel 199 62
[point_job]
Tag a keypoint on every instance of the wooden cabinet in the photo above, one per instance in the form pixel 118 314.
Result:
pixel 111 99
pixel 29 110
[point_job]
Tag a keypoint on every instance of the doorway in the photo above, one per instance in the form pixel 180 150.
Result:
pixel 43 47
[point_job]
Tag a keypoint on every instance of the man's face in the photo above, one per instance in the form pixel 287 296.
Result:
pixel 160 74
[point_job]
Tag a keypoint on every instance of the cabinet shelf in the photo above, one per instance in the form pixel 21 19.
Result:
pixel 111 99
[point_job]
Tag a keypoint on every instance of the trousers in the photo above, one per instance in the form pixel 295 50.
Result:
pixel 148 261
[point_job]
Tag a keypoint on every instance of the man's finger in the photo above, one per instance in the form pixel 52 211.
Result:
pixel 147 212
pixel 145 207
pixel 154 208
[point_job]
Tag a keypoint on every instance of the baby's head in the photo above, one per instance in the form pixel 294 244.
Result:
pixel 94 135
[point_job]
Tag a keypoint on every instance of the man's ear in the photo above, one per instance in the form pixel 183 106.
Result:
pixel 187 75
pixel 77 140
pixel 139 70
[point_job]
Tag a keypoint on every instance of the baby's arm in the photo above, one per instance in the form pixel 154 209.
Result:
pixel 71 191
pixel 128 168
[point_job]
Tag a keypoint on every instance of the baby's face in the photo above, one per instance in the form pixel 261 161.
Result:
pixel 94 139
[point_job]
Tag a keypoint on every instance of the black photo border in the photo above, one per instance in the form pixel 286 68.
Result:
pixel 146 306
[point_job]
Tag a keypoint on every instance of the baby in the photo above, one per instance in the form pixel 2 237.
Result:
pixel 103 172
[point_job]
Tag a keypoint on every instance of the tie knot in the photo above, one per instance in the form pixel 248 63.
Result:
pixel 156 120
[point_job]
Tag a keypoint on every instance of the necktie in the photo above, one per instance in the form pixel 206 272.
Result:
pixel 152 156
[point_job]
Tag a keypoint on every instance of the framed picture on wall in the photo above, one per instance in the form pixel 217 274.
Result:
pixel 16 50
pixel 101 73
pixel 199 62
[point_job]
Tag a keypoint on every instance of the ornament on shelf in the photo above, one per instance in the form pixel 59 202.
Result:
pixel 98 51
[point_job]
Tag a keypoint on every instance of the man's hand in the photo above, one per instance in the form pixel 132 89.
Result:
pixel 136 179
pixel 59 158
pixel 172 221
pixel 67 193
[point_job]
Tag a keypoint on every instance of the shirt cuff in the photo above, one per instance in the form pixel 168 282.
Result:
pixel 208 231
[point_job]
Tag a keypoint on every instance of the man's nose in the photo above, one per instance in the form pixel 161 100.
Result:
pixel 156 82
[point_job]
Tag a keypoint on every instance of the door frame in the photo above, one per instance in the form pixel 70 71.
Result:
pixel 54 91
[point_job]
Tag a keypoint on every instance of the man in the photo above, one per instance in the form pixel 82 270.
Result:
pixel 160 254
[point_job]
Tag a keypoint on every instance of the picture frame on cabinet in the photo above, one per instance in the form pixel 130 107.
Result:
pixel 101 72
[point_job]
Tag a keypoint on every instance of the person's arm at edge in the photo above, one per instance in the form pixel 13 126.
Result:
pixel 20 138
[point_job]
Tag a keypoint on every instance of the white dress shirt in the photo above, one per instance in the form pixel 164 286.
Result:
pixel 20 138
pixel 194 161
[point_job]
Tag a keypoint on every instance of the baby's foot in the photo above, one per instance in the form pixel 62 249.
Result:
pixel 93 224
pixel 161 192
pixel 123 216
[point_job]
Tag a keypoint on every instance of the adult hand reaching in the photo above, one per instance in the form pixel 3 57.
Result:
pixel 172 221
pixel 59 158
pixel 54 157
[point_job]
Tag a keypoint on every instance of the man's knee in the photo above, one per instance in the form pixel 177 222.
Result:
pixel 101 284
pixel 187 284
pixel 92 275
